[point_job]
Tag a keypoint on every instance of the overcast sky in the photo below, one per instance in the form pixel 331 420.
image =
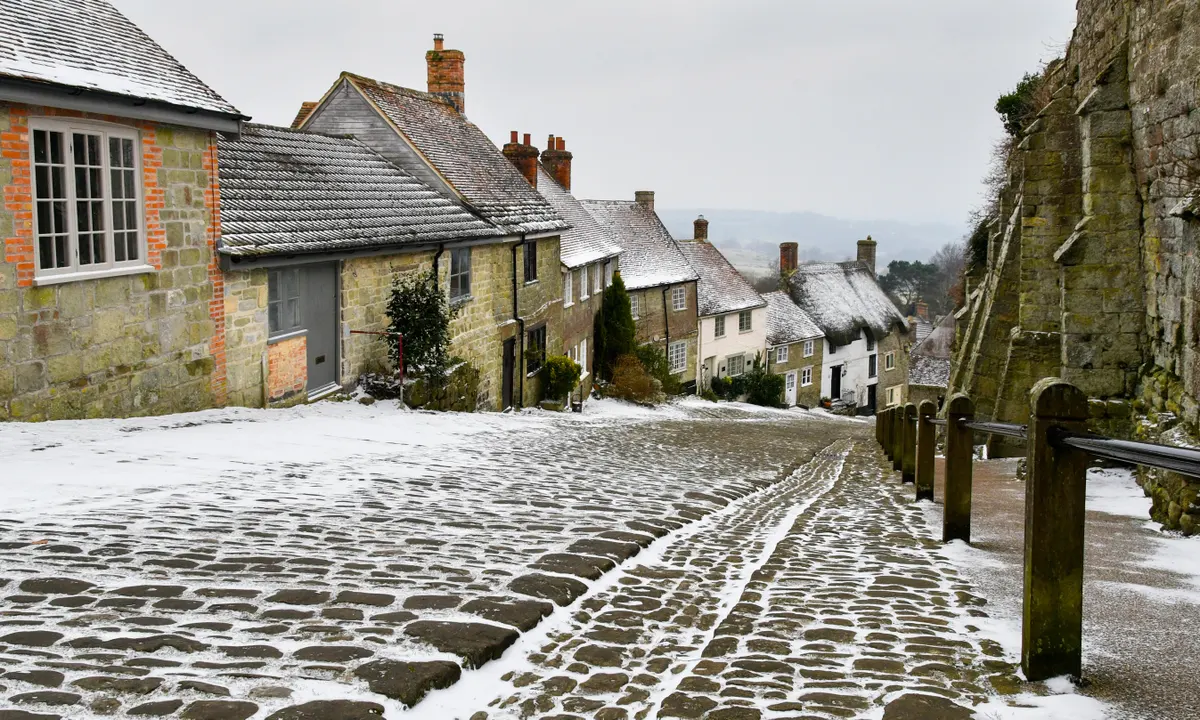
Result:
pixel 861 109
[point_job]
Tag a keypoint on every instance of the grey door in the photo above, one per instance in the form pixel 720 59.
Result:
pixel 319 308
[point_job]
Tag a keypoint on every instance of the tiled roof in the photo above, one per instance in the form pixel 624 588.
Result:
pixel 721 289
pixel 786 322
pixel 464 156
pixel 586 242
pixel 845 299
pixel 649 255
pixel 286 191
pixel 89 44
pixel 929 371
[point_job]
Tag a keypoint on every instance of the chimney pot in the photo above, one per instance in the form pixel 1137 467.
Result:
pixel 528 139
pixel 438 41
pixel 561 144
pixel 514 137
pixel 550 143
pixel 645 198
pixel 701 229
pixel 445 74
pixel 789 257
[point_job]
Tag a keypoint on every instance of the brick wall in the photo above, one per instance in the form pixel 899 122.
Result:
pixel 287 371
pixel 118 346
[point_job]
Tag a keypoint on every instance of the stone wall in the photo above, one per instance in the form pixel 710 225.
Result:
pixel 899 343
pixel 807 396
pixel 683 324
pixel 366 291
pixel 139 344
pixel 246 331
pixel 1092 271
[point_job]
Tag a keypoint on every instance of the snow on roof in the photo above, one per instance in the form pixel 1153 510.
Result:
pixel 928 371
pixel 845 299
pixel 286 191
pixel 939 342
pixel 90 44
pixel 650 257
pixel 462 154
pixel 721 288
pixel 786 321
pixel 586 241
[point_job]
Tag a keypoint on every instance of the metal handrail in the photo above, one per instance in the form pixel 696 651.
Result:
pixel 1164 457
pixel 1020 432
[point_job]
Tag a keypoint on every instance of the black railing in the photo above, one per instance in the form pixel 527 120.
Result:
pixel 1058 450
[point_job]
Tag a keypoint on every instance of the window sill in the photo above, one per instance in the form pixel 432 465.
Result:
pixel 286 336
pixel 92 275
pixel 461 300
pixel 531 282
pixel 568 304
pixel 745 332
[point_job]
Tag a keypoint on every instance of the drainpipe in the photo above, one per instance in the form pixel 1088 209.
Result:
pixel 441 249
pixel 519 401
pixel 699 353
pixel 667 327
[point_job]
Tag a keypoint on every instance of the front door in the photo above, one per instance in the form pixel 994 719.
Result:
pixel 872 398
pixel 510 362
pixel 319 308
pixel 791 388
pixel 710 365
pixel 835 383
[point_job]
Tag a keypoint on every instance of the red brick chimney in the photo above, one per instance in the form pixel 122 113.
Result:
pixel 789 257
pixel 866 253
pixel 306 109
pixel 557 161
pixel 645 198
pixel 446 78
pixel 700 232
pixel 524 156
pixel 922 310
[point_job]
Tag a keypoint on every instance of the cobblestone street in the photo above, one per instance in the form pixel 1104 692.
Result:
pixel 713 563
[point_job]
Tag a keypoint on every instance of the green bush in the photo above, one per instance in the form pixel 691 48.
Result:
pixel 721 387
pixel 417 309
pixel 560 375
pixel 614 334
pixel 631 381
pixel 761 387
pixel 1017 107
pixel 654 360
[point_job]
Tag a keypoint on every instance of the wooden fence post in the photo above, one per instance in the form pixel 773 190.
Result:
pixel 887 433
pixel 926 445
pixel 960 453
pixel 908 467
pixel 1052 627
pixel 897 438
pixel 879 428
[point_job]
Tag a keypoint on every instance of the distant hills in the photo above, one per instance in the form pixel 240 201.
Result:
pixel 750 238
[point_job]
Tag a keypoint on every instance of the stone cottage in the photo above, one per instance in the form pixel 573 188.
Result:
pixel 732 330
pixel 110 301
pixel 795 349
pixel 314 230
pixel 589 257
pixel 507 289
pixel 661 283
pixel 929 364
pixel 865 362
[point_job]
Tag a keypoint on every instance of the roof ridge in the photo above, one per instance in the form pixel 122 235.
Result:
pixel 411 92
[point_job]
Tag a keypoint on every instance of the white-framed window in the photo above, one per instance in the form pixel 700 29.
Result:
pixel 568 290
pixel 87 189
pixel 719 326
pixel 583 285
pixel 679 298
pixel 598 274
pixel 892 396
pixel 608 273
pixel 677 357
pixel 806 377
pixel 583 358
pixel 460 273
pixel 781 354
pixel 889 361
pixel 635 305
pixel 745 320
pixel 808 348
pixel 735 365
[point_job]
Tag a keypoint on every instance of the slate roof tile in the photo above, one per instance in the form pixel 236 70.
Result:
pixel 285 191
pixel 721 288
pixel 90 44
pixel 650 257
pixel 844 299
pixel 786 321
pixel 586 242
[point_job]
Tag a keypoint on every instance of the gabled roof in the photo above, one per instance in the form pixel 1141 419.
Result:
pixel 721 289
pixel 286 192
pixel 844 299
pixel 649 255
pixel 786 322
pixel 89 44
pixel 929 361
pixel 459 151
pixel 586 242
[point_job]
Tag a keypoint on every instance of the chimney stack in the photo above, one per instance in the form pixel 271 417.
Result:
pixel 557 161
pixel 866 253
pixel 523 156
pixel 645 198
pixel 701 229
pixel 922 310
pixel 789 257
pixel 446 78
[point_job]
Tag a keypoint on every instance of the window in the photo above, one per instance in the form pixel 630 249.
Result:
pixel 873 366
pixel 535 350
pixel 889 361
pixel 677 357
pixel 598 274
pixel 719 326
pixel 744 320
pixel 283 301
pixel 583 357
pixel 891 396
pixel 583 286
pixel 460 273
pixel 634 306
pixel 679 298
pixel 608 273
pixel 736 365
pixel 832 349
pixel 87 190
pixel 568 291
pixel 808 348
pixel 781 355
pixel 530 255
pixel 806 377
pixel 870 342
